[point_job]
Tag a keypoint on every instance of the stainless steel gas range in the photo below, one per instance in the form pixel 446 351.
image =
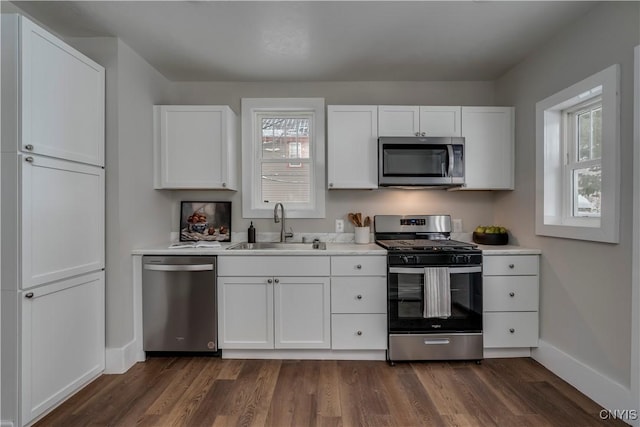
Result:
pixel 434 289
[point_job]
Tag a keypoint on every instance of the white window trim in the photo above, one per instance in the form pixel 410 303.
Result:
pixel 251 179
pixel 550 155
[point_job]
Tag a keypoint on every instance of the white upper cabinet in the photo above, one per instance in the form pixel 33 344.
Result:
pixel 396 120
pixel 195 147
pixel 489 147
pixel 59 91
pixel 419 121
pixel 440 121
pixel 352 147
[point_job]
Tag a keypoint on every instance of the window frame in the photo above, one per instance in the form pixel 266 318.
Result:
pixel 570 123
pixel 552 205
pixel 252 111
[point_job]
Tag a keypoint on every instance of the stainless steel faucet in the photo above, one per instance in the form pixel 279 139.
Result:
pixel 283 234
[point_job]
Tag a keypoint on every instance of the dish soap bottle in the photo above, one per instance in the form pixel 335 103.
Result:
pixel 251 233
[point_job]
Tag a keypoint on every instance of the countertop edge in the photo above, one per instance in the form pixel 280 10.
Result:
pixel 332 249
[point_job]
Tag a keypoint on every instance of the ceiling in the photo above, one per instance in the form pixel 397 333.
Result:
pixel 318 40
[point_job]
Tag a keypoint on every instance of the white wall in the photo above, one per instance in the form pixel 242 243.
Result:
pixel 473 208
pixel 585 286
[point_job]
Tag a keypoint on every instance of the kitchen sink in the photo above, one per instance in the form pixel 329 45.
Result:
pixel 279 246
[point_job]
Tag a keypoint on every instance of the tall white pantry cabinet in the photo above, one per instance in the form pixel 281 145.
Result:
pixel 53 326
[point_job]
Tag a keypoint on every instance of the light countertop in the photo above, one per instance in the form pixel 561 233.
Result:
pixel 507 250
pixel 332 249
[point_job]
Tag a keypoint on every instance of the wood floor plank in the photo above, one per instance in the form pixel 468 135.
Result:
pixel 205 391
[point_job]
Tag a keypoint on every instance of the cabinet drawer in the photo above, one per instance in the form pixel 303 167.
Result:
pixel 359 331
pixel 510 293
pixel 507 330
pixel 265 265
pixel 359 295
pixel 359 266
pixel 510 265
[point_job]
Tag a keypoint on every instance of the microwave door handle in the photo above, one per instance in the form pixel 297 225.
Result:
pixel 406 270
pixel 450 150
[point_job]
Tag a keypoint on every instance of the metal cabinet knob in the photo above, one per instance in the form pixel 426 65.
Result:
pixel 224 185
pixel 28 147
pixel 269 281
pixel 276 280
pixel 512 294
pixel 359 333
pixel 330 184
pixel 359 267
pixel 29 159
pixel 359 296
pixel 423 134
pixel 512 330
pixel 29 295
pixel 511 265
pixel 417 133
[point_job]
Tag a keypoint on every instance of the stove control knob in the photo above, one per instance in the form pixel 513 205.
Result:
pixel 405 259
pixel 467 259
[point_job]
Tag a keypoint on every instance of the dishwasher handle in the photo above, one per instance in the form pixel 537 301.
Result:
pixel 179 267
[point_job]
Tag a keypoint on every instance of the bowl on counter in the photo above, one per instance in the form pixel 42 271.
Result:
pixel 490 239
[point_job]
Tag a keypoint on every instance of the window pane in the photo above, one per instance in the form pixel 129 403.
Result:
pixel 596 118
pixel 584 136
pixel 286 182
pixel 279 134
pixel 587 185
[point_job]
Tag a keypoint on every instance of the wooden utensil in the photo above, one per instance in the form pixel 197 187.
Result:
pixel 367 221
pixel 359 219
pixel 353 219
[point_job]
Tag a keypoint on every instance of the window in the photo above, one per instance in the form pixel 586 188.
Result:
pixel 283 157
pixel 577 169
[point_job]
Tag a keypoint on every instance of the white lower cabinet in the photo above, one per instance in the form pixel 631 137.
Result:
pixel 510 301
pixel 358 303
pixel 62 341
pixel 264 308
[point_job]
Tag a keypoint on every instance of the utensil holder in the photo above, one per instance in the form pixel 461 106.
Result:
pixel 361 235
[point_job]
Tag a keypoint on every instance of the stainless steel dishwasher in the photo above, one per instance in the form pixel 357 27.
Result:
pixel 179 304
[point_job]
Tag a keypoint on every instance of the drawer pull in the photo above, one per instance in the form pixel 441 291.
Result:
pixel 511 266
pixel 512 294
pixel 29 295
pixel 359 266
pixel 359 296
pixel 269 281
pixel 28 159
pixel 511 330
pixel 359 333
pixel 28 147
pixel 437 341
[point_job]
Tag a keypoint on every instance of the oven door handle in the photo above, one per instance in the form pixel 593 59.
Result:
pixel 452 270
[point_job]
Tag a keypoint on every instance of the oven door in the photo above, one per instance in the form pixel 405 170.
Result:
pixel 420 161
pixel 406 299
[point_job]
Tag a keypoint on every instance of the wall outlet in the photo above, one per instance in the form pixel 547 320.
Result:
pixel 457 225
pixel 339 225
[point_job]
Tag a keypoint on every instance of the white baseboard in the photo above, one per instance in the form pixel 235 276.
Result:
pixel 306 354
pixel 493 353
pixel 119 360
pixel 6 423
pixel 598 387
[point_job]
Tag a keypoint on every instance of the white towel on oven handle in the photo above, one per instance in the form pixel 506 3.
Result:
pixel 437 292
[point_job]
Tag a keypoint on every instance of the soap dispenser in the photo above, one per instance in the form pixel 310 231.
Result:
pixel 251 233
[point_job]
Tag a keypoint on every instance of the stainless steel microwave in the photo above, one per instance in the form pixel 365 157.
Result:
pixel 408 161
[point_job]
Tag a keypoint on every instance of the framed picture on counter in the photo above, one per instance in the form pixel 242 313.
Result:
pixel 205 221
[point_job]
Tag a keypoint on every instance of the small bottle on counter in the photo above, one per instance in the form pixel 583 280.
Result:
pixel 251 233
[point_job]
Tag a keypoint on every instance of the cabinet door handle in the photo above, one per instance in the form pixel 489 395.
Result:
pixel 359 267
pixel 359 296
pixel 224 185
pixel 29 159
pixel 512 294
pixel 417 133
pixel 512 330
pixel 511 266
pixel 330 184
pixel 359 333
pixel 269 281
pixel 276 280
pixel 29 295
pixel 28 147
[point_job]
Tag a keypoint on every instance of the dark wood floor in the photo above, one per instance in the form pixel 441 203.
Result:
pixel 198 392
